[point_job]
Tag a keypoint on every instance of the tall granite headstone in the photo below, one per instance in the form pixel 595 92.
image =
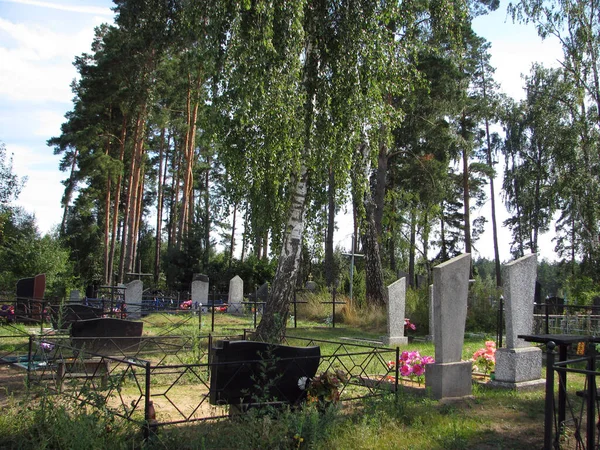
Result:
pixel 519 365
pixel 450 377
pixel 431 321
pixel 133 298
pixel 236 296
pixel 396 308
pixel 200 285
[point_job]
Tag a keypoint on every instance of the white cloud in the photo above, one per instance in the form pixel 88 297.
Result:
pixel 38 66
pixel 62 7
pixel 43 189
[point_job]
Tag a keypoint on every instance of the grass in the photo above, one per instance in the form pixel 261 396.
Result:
pixel 490 419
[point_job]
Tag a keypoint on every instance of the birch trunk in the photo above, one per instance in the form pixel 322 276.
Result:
pixel 273 323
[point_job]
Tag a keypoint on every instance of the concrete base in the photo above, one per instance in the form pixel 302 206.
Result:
pixel 522 386
pixel 516 365
pixel 391 340
pixel 449 380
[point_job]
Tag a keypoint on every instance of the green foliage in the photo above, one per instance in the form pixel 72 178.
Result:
pixel 482 313
pixel 47 422
pixel 417 308
pixel 25 254
pixel 581 290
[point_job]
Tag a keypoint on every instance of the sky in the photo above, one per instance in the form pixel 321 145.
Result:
pixel 39 40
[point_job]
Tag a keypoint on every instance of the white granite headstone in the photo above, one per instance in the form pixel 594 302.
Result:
pixel 396 308
pixel 236 295
pixel 449 376
pixel 519 365
pixel 133 298
pixel 200 286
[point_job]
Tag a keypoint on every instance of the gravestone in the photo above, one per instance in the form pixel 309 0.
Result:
pixel 396 307
pixel 431 322
pixel 63 316
pixel 450 377
pixel 200 285
pixel 74 296
pixel 107 336
pixel 29 301
pixel 519 365
pixel 236 296
pixel 311 286
pixel 238 369
pixel 133 298
pixel 262 294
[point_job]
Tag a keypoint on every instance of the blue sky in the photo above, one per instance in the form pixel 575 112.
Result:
pixel 39 40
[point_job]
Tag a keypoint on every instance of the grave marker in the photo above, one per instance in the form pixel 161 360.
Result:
pixel 200 285
pixel 133 298
pixel 236 296
pixel 449 376
pixel 396 308
pixel 519 365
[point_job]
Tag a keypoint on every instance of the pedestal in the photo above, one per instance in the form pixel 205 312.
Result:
pixel 449 380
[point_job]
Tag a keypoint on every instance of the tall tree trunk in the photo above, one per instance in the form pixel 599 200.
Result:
pixel 207 209
pixel 466 190
pixel 329 261
pixel 232 242
pixel 107 231
pixel 493 204
pixel 413 247
pixel 160 202
pixel 116 204
pixel 134 196
pixel 245 234
pixel 68 194
pixel 129 202
pixel 273 323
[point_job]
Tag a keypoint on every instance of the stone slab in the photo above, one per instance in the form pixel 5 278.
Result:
pixel 236 296
pixel 519 298
pixel 200 287
pixel 450 295
pixel 431 321
pixel 522 386
pixel 449 380
pixel 514 365
pixel 133 298
pixel 393 341
pixel 396 308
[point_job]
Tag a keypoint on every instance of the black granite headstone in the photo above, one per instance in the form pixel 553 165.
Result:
pixel 106 336
pixel 244 372
pixel 63 316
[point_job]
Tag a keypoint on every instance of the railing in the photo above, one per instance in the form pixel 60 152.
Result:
pixel 570 420
pixel 151 382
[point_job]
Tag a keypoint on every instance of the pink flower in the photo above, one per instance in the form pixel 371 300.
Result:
pixel 404 356
pixel 418 370
pixel 406 370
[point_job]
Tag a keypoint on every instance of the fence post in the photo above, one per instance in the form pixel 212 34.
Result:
pixel 29 360
pixel 397 370
pixel 549 408
pixel 547 317
pixel 591 396
pixel 500 322
pixel 147 403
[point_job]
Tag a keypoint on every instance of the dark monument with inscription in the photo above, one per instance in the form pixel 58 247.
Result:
pixel 29 305
pixel 106 336
pixel 63 316
pixel 248 372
